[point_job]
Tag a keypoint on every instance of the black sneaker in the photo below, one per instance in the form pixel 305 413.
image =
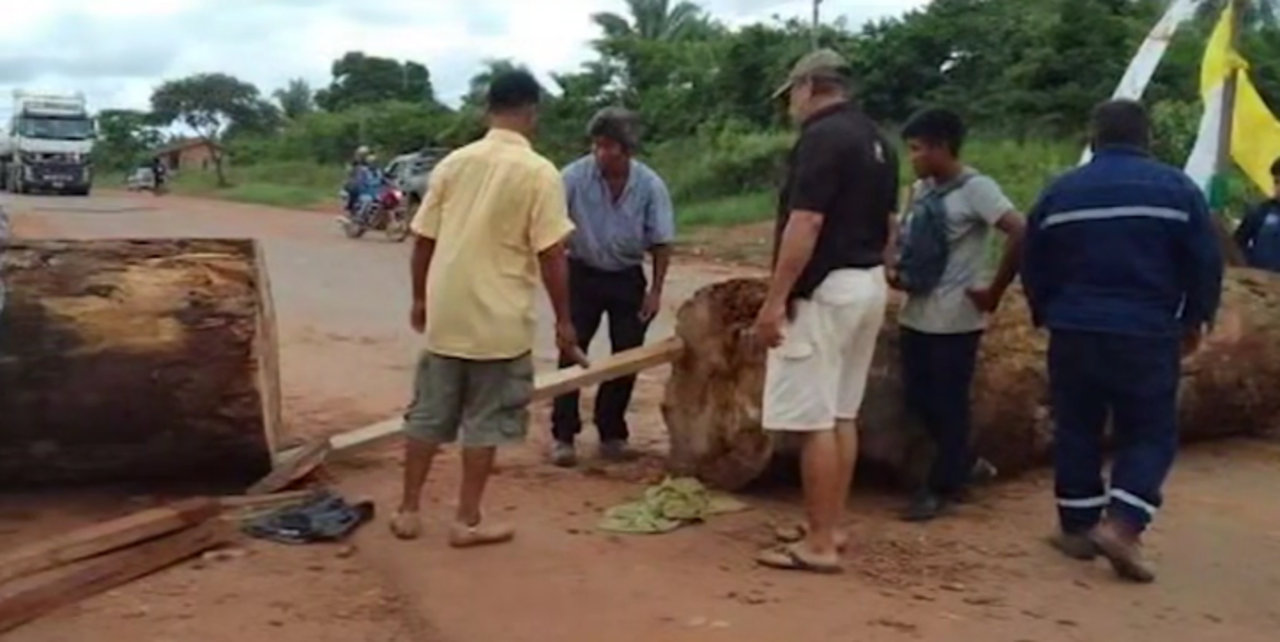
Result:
pixel 925 507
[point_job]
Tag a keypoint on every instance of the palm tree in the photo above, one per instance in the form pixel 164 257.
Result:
pixel 653 20
pixel 296 98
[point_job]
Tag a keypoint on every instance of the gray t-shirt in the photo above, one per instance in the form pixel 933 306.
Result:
pixel 972 211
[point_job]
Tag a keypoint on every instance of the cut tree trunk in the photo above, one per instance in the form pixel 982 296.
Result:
pixel 712 401
pixel 136 360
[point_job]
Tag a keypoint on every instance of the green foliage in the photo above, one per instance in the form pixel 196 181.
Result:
pixel 125 137
pixel 1023 73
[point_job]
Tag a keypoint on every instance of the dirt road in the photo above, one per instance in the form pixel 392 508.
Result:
pixel 345 359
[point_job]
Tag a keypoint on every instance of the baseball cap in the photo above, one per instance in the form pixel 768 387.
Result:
pixel 820 63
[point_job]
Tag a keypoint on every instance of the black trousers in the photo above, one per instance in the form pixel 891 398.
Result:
pixel 593 295
pixel 937 372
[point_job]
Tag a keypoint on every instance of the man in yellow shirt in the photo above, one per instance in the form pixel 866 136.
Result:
pixel 494 216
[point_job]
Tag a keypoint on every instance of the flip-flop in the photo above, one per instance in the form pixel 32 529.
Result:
pixel 405 526
pixel 480 535
pixel 787 558
pixel 797 532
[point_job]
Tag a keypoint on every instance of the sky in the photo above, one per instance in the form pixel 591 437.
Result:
pixel 117 52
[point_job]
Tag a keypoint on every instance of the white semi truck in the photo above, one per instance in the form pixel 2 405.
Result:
pixel 49 145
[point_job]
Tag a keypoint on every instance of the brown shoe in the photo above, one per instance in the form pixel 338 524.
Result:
pixel 1077 546
pixel 1122 547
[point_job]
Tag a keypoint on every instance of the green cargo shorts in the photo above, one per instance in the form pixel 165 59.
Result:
pixel 477 403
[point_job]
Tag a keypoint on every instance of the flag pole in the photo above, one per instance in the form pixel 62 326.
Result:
pixel 1218 195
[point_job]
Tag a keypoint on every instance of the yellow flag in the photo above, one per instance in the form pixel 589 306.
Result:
pixel 1255 132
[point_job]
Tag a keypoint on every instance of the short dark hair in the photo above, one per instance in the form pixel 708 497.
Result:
pixel 1121 122
pixel 513 90
pixel 936 126
pixel 1275 168
pixel 616 124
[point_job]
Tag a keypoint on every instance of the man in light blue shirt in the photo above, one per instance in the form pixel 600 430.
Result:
pixel 621 210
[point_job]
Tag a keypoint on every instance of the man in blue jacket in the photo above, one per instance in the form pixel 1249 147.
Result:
pixel 1259 233
pixel 1123 267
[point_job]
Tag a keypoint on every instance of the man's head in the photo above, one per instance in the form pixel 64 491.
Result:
pixel 1121 123
pixel 934 138
pixel 614 137
pixel 817 80
pixel 513 101
pixel 1275 178
pixel 362 153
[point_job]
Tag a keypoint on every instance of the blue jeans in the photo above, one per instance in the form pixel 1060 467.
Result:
pixel 1135 381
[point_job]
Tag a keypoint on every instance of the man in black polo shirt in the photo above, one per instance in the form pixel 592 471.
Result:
pixel 827 295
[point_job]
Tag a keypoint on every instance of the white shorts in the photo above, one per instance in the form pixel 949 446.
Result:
pixel 819 372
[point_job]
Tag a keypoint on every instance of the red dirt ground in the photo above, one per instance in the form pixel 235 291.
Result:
pixel 346 358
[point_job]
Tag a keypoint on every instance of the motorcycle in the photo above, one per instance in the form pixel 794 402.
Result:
pixel 388 213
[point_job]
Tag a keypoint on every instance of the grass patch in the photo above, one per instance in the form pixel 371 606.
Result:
pixel 730 210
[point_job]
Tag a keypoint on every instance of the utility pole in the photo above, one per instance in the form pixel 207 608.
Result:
pixel 813 29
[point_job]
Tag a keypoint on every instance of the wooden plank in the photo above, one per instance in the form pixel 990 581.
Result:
pixel 45 594
pixel 106 536
pixel 547 385
pixel 267 350
pixel 297 464
pixel 233 502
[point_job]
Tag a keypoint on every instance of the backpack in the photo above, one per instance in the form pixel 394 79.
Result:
pixel 924 248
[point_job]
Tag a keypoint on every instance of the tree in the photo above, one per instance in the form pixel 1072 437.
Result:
pixel 1257 13
pixel 360 79
pixel 296 98
pixel 125 136
pixel 208 104
pixel 652 20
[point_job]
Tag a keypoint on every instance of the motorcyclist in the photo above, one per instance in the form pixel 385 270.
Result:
pixel 368 185
pixel 354 169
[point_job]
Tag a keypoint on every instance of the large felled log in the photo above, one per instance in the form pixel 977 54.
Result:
pixel 136 360
pixel 712 401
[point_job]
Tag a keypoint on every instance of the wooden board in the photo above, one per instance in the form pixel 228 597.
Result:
pixel 547 385
pixel 34 597
pixel 298 464
pixel 127 361
pixel 106 536
pixel 266 349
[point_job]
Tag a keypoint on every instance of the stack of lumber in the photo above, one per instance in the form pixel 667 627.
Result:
pixel 47 575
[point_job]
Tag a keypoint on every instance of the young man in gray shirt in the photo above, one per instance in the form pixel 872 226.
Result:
pixel 942 323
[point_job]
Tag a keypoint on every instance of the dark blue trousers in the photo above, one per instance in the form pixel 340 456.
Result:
pixel 937 373
pixel 1134 380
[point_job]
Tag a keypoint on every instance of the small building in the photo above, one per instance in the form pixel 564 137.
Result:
pixel 192 154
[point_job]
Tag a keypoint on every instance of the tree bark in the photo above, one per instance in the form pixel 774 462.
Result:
pixel 136 360
pixel 712 401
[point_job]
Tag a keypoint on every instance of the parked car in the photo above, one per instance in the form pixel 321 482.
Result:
pixel 141 179
pixel 409 173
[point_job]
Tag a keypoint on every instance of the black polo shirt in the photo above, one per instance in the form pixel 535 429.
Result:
pixel 843 168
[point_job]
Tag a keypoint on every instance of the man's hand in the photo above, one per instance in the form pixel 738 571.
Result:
pixel 652 306
pixel 893 277
pixel 418 316
pixel 1191 340
pixel 768 326
pixel 985 299
pixel 567 343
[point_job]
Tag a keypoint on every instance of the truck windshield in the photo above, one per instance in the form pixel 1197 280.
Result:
pixel 56 128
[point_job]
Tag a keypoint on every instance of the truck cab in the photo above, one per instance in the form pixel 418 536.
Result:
pixel 48 145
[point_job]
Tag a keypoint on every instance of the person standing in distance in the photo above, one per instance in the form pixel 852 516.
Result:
pixel 953 209
pixel 1258 236
pixel 827 295
pixel 494 217
pixel 1123 266
pixel 621 210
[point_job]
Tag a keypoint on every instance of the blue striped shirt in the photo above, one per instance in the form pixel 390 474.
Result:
pixel 615 235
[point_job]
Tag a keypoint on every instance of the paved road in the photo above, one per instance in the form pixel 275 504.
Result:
pixel 342 304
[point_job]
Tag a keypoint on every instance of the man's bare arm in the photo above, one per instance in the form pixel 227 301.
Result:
pixel 423 249
pixel 796 248
pixel 1014 228
pixel 661 261
pixel 554 264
